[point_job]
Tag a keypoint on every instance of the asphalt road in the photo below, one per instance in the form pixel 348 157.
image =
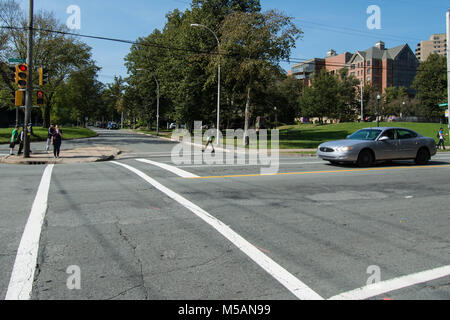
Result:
pixel 139 230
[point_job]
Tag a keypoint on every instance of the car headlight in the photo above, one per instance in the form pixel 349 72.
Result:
pixel 343 149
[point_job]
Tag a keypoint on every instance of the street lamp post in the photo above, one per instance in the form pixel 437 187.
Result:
pixel 378 110
pixel 157 106
pixel 218 78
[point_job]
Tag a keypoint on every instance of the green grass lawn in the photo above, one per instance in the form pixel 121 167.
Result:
pixel 307 136
pixel 310 136
pixel 41 134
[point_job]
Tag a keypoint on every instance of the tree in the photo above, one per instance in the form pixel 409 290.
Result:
pixel 254 44
pixel 61 54
pixel 431 85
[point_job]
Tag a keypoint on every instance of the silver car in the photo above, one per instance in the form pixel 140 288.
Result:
pixel 367 146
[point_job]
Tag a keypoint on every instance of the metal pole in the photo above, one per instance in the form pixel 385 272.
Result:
pixel 362 102
pixel 29 92
pixel 448 65
pixel 157 106
pixel 218 104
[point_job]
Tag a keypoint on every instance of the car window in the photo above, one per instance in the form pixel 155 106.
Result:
pixel 365 134
pixel 406 134
pixel 390 134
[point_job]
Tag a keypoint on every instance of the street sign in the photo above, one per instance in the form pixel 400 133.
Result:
pixel 15 60
pixel 443 105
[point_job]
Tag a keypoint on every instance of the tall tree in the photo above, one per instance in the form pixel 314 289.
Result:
pixel 255 43
pixel 431 84
pixel 60 53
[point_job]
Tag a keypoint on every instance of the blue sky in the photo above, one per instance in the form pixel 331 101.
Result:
pixel 327 24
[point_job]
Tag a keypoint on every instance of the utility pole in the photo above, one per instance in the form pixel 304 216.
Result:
pixel 447 50
pixel 29 90
pixel 157 106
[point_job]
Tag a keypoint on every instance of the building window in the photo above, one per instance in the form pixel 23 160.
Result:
pixel 352 66
pixel 368 63
pixel 352 73
pixel 368 79
pixel 368 70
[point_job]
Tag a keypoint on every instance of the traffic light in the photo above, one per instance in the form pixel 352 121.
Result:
pixel 40 98
pixel 12 73
pixel 19 100
pixel 21 78
pixel 43 76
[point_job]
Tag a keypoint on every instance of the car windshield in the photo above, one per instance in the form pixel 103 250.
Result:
pixel 366 134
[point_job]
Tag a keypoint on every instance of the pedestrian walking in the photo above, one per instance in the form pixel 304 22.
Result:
pixel 14 140
pixel 51 132
pixel 441 137
pixel 21 140
pixel 56 141
pixel 209 141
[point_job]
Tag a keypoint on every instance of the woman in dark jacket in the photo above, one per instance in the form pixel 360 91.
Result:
pixel 56 141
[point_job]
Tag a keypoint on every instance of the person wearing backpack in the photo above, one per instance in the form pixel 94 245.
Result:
pixel 209 142
pixel 441 138
pixel 14 140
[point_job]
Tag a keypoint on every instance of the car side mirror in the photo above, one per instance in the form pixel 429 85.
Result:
pixel 384 138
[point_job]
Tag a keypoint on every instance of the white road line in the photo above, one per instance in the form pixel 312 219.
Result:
pixel 294 285
pixel 246 165
pixel 376 289
pixel 177 171
pixel 21 282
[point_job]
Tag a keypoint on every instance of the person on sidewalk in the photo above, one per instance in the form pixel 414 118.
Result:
pixel 14 140
pixel 51 132
pixel 56 141
pixel 30 133
pixel 209 142
pixel 441 137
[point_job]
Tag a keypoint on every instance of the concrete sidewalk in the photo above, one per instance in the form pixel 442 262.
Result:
pixel 70 156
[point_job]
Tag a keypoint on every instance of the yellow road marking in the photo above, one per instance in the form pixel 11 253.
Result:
pixel 313 172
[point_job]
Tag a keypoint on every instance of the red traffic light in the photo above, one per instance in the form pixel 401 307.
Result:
pixel 22 67
pixel 40 94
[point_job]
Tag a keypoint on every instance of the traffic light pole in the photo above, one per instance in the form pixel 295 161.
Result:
pixel 29 92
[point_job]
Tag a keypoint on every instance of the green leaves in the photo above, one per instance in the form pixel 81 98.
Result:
pixel 431 84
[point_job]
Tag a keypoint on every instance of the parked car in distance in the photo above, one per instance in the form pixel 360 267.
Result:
pixel 370 145
pixel 113 126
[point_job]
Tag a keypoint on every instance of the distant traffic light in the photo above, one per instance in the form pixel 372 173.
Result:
pixel 12 73
pixel 40 98
pixel 21 76
pixel 43 76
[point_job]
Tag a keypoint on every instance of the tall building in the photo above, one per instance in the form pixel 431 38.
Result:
pixel 382 67
pixel 305 70
pixel 379 66
pixel 436 44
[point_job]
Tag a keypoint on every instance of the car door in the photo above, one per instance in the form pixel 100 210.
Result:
pixel 408 143
pixel 388 149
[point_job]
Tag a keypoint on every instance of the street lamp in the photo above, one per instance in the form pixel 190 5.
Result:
pixel 157 100
pixel 378 110
pixel 218 77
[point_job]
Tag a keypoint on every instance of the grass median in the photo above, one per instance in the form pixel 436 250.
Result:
pixel 310 136
pixel 40 134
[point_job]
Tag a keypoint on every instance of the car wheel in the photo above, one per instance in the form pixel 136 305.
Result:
pixel 423 156
pixel 365 159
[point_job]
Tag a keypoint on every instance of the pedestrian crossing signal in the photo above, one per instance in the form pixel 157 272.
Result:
pixel 40 98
